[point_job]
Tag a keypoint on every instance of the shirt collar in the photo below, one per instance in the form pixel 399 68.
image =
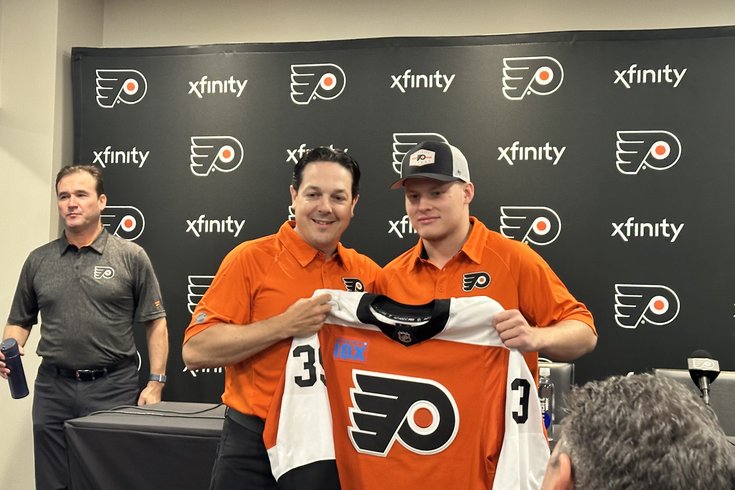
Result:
pixel 305 253
pixel 472 247
pixel 98 245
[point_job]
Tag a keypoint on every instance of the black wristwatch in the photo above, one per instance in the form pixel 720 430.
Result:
pixel 161 378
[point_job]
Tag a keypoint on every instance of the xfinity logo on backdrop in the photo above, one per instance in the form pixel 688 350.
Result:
pixel 296 154
pixel 402 142
pixel 127 222
pixel 108 156
pixel 194 372
pixel 517 153
pixel 639 76
pixel 401 226
pixel 205 86
pixel 530 224
pixel 638 304
pixel 198 285
pixel 408 80
pixel 115 86
pixel 539 75
pixel 324 81
pixel 210 153
pixel 202 225
pixel 631 229
pixel 639 150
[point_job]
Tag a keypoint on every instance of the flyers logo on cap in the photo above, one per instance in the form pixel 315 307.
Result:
pixel 639 150
pixel 324 81
pixel 402 142
pixel 198 285
pixel 420 414
pixel 638 304
pixel 538 75
pixel 214 153
pixel 115 86
pixel 538 225
pixel 127 222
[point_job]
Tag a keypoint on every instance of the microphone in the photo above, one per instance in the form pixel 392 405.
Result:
pixel 703 370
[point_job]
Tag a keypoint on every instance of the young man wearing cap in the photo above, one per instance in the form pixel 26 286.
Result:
pixel 458 256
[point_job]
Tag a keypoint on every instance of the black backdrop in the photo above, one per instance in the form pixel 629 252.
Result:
pixel 611 153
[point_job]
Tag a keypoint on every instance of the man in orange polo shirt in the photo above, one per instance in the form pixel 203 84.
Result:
pixel 261 298
pixel 458 256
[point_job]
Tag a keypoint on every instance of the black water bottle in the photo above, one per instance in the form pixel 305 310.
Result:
pixel 17 377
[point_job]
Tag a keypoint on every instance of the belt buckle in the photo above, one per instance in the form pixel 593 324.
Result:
pixel 81 374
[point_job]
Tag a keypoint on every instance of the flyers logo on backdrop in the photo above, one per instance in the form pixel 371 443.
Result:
pixel 638 304
pixel 420 414
pixel 214 153
pixel 402 142
pixel 538 225
pixel 115 86
pixel 639 150
pixel 127 222
pixel 539 75
pixel 324 81
pixel 198 285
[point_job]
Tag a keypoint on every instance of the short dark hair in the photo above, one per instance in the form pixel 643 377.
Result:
pixel 95 172
pixel 327 154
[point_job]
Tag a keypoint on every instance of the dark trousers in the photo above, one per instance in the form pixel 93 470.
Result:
pixel 242 461
pixel 57 399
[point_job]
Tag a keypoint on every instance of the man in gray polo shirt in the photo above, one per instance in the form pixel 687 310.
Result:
pixel 90 288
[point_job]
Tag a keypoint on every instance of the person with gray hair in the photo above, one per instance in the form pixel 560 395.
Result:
pixel 639 432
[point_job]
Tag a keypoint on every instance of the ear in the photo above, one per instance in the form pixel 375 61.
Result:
pixel 566 479
pixel 469 192
pixel 354 203
pixel 103 201
pixel 293 194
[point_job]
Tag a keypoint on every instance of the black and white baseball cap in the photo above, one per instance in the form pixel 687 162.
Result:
pixel 433 160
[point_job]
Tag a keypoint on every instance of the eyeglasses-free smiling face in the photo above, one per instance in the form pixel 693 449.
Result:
pixel 323 204
pixel 438 209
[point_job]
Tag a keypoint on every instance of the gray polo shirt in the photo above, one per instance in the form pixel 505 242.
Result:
pixel 89 299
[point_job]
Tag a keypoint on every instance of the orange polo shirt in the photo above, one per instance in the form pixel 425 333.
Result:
pixel 259 279
pixel 489 264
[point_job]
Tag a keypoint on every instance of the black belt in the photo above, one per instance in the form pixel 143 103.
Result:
pixel 250 422
pixel 92 373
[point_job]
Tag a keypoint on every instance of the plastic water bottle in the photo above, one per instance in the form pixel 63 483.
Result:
pixel 546 398
pixel 17 377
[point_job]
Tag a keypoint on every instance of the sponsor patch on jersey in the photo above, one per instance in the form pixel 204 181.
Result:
pixel 352 350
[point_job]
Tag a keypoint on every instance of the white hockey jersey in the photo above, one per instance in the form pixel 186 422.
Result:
pixel 419 396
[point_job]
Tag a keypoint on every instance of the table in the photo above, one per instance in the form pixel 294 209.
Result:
pixel 165 445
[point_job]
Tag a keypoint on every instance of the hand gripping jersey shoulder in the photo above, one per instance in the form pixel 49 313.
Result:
pixel 397 411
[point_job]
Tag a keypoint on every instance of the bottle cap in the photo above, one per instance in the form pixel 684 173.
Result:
pixel 10 347
pixel 544 371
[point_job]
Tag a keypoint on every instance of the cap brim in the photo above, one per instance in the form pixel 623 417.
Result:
pixel 444 178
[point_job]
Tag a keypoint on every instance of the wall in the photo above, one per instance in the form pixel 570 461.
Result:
pixel 35 100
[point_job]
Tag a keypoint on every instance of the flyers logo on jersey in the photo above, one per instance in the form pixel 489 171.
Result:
pixel 324 81
pixel 539 75
pixel 402 142
pixel 472 280
pixel 214 153
pixel 353 284
pixel 639 150
pixel 115 86
pixel 127 222
pixel 419 413
pixel 638 304
pixel 538 225
pixel 198 285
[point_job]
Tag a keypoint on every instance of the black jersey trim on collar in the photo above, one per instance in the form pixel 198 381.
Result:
pixel 435 314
